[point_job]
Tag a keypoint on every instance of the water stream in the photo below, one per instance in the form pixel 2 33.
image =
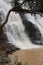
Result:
pixel 15 30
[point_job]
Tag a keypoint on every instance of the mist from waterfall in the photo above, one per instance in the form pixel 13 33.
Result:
pixel 15 30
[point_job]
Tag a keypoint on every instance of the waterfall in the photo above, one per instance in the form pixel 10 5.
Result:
pixel 15 30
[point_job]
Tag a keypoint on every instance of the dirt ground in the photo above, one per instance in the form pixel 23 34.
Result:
pixel 28 57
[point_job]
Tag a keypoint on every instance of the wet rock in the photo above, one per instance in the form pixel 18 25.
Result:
pixel 5 45
pixel 8 48
pixel 31 29
pixel 3 38
pixel 38 42
pixel 32 32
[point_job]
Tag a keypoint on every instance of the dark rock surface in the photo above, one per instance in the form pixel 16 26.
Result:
pixel 8 48
pixel 33 33
pixel 31 30
pixel 5 45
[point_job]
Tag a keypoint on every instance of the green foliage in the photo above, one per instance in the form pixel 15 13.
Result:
pixel 4 59
pixel 19 62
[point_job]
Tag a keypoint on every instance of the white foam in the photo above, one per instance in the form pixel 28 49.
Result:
pixel 15 30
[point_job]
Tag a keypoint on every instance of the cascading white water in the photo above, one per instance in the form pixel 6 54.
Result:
pixel 14 29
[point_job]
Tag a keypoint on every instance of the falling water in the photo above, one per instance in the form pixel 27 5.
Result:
pixel 15 30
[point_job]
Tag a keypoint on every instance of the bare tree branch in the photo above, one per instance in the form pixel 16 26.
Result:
pixel 24 10
pixel 6 19
pixel 15 9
